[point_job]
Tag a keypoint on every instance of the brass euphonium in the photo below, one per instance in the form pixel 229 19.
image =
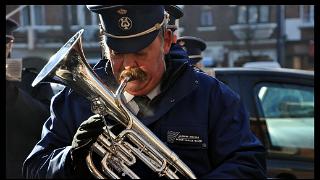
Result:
pixel 117 150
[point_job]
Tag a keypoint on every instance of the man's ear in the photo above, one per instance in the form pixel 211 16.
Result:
pixel 167 41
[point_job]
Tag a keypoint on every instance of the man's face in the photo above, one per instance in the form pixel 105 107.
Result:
pixel 150 60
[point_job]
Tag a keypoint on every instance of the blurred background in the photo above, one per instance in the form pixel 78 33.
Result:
pixel 234 34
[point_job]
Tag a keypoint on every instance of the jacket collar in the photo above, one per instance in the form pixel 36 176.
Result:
pixel 178 82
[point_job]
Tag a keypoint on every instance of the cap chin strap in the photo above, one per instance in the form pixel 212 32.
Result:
pixel 157 26
pixel 195 56
pixel 164 63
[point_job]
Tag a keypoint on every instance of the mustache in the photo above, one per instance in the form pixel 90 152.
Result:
pixel 134 74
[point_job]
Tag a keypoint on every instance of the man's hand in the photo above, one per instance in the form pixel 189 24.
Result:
pixel 86 134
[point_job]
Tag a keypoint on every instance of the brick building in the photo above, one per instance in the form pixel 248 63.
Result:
pixel 45 28
pixel 234 34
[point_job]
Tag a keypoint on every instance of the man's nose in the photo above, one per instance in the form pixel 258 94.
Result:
pixel 129 61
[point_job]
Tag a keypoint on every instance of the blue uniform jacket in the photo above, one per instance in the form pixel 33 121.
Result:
pixel 198 117
pixel 176 52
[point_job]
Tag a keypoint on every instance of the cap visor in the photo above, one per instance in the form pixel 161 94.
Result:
pixel 131 45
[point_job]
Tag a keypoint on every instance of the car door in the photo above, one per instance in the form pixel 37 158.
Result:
pixel 287 110
pixel 281 107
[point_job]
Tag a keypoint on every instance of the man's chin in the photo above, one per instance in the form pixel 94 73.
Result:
pixel 135 84
pixel 133 87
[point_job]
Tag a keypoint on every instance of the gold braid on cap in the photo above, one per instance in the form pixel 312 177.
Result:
pixel 154 28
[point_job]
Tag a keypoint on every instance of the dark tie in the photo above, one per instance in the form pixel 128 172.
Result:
pixel 143 103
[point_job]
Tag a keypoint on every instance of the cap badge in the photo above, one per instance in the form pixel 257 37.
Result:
pixel 125 23
pixel 171 136
pixel 122 11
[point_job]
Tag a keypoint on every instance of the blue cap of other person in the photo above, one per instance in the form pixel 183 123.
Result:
pixel 130 28
pixel 175 13
pixel 11 26
pixel 194 47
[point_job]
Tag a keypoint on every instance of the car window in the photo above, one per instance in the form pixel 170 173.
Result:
pixel 289 114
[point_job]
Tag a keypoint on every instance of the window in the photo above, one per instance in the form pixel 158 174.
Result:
pixel 307 13
pixel 253 14
pixel 264 13
pixel 289 114
pixel 33 13
pixel 25 16
pixel 39 15
pixel 81 16
pixel 206 18
pixel 74 15
pixel 242 14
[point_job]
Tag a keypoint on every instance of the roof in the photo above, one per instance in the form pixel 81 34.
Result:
pixel 271 71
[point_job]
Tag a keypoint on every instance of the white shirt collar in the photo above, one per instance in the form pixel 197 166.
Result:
pixel 132 105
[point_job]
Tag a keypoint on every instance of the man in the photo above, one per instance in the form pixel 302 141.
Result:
pixel 194 47
pixel 198 117
pixel 31 66
pixel 24 113
pixel 175 13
